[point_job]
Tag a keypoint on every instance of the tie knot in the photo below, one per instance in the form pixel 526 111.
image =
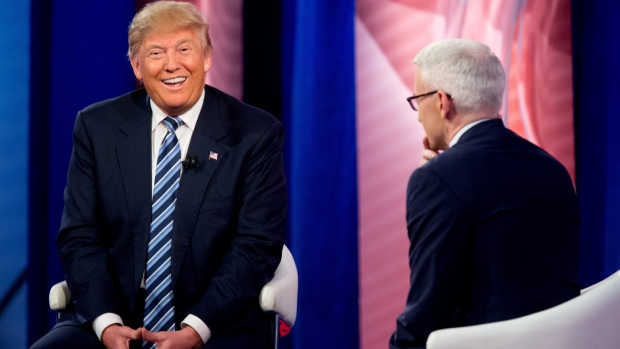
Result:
pixel 172 122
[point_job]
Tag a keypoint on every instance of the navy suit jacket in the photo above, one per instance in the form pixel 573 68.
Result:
pixel 228 222
pixel 493 225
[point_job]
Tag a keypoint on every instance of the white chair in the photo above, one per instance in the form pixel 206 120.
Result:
pixel 278 296
pixel 591 320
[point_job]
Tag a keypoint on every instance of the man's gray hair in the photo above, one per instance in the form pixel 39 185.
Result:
pixel 465 69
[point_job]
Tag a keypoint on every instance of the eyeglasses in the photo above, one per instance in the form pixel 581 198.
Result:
pixel 414 101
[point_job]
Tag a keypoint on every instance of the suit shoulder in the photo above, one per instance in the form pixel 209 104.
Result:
pixel 436 170
pixel 122 104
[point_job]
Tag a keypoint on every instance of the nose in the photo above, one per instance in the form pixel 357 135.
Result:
pixel 171 63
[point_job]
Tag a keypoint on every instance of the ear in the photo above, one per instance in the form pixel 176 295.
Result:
pixel 446 107
pixel 135 65
pixel 207 60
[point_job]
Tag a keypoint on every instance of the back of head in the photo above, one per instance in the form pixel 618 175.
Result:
pixel 167 15
pixel 465 69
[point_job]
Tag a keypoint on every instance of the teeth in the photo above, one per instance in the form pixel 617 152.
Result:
pixel 175 80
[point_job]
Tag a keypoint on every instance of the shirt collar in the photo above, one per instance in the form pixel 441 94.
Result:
pixel 465 128
pixel 189 118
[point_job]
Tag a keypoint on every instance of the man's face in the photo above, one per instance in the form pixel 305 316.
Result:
pixel 429 115
pixel 172 66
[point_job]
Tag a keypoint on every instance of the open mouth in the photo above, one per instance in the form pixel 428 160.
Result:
pixel 175 81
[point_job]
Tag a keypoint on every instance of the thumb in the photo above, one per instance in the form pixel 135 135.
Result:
pixel 147 335
pixel 135 334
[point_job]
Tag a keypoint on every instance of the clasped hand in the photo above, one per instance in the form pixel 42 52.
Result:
pixel 119 337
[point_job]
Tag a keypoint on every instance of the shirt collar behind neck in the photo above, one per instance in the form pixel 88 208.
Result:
pixel 465 128
pixel 189 118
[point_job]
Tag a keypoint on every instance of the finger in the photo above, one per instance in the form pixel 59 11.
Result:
pixel 155 336
pixel 428 154
pixel 425 143
pixel 134 334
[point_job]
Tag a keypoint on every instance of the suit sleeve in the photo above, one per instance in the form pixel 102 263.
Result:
pixel 438 256
pixel 257 244
pixel 80 243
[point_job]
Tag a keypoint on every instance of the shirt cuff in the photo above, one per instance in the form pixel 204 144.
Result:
pixel 102 322
pixel 199 326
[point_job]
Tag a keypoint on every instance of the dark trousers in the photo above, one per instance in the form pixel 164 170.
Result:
pixel 68 333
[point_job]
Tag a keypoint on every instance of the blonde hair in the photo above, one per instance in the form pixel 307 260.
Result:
pixel 167 15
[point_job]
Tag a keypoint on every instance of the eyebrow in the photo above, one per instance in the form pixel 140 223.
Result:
pixel 155 45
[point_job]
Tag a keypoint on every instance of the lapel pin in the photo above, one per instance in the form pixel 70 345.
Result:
pixel 212 155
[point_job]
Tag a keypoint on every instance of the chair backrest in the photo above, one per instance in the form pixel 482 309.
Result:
pixel 280 294
pixel 59 296
pixel 591 320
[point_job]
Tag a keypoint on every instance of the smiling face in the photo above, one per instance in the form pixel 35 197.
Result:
pixel 172 65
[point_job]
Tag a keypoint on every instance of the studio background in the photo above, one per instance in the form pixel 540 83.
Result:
pixel 337 74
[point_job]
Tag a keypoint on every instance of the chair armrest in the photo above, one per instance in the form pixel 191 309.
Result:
pixel 59 296
pixel 280 294
pixel 587 321
pixel 591 287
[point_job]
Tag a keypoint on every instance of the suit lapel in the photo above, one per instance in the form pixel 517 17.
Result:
pixel 134 156
pixel 194 182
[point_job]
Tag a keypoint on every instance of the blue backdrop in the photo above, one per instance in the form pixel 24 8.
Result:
pixel 14 124
pixel 78 58
pixel 596 53
pixel 319 116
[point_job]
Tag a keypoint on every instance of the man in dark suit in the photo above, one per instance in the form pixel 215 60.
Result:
pixel 227 222
pixel 492 218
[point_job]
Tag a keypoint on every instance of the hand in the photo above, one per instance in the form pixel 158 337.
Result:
pixel 427 153
pixel 115 336
pixel 185 338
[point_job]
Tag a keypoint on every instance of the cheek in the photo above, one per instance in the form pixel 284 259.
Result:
pixel 151 68
pixel 424 120
pixel 151 71
pixel 430 126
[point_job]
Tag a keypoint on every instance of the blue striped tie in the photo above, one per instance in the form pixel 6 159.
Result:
pixel 159 307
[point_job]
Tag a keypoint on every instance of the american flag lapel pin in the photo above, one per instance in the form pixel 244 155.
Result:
pixel 212 155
